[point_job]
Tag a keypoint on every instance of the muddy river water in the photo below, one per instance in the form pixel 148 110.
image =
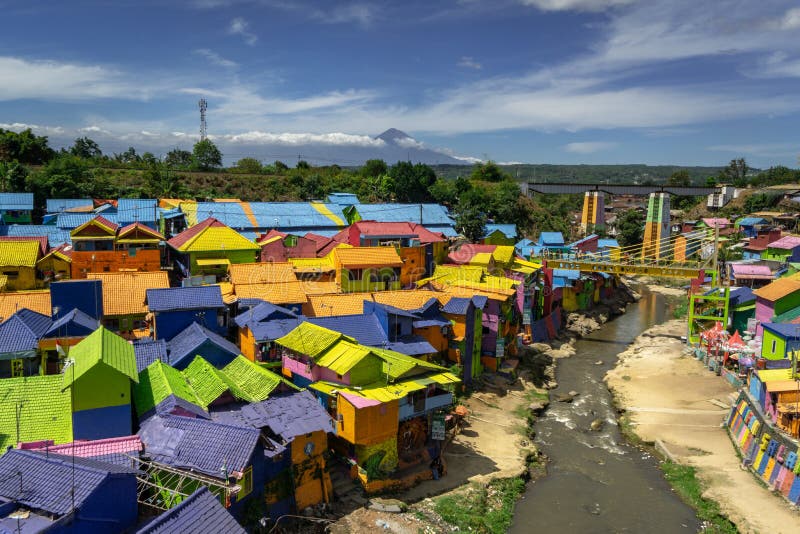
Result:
pixel 596 482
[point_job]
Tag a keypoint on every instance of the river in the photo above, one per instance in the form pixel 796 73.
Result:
pixel 596 481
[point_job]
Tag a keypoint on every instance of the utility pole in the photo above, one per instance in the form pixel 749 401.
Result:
pixel 203 107
pixel 715 258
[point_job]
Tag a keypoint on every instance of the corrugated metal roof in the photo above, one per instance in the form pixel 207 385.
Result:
pixel 53 483
pixel 17 336
pixel 785 330
pixel 217 239
pixel 57 205
pixel 551 239
pixel 741 295
pixel 751 221
pixel 254 382
pixel 147 351
pixel 127 233
pixel 431 214
pixel 74 323
pixel 131 210
pixel 778 289
pixel 184 298
pixel 207 382
pixel 37 406
pixel 508 230
pixel 200 511
pixel 787 242
pixel 55 235
pixel 749 269
pixel 364 328
pixel 198 445
pixel 70 221
pixel 289 416
pixel 124 293
pixel 16 201
pixel 184 345
pixel 364 257
pixel 101 347
pixel 310 339
pixel 19 253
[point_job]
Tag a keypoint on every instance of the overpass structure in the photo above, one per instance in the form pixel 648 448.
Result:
pixel 615 189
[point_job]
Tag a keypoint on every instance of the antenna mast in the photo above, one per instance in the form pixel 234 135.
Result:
pixel 203 107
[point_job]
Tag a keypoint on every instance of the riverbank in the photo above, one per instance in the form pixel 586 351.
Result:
pixel 669 400
pixel 490 460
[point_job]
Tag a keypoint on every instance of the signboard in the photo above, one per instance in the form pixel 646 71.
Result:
pixel 501 347
pixel 526 317
pixel 437 427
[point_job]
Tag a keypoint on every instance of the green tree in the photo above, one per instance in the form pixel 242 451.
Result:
pixel 736 172
pixel 488 172
pixel 162 182
pixel 129 156
pixel 374 167
pixel 12 176
pixel 249 166
pixel 412 182
pixel 471 223
pixel 178 159
pixel 280 166
pixel 206 155
pixel 303 164
pixel 25 147
pixel 680 179
pixel 630 228
pixel 85 148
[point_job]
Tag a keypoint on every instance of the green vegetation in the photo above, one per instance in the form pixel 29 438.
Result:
pixel 630 228
pixel 688 487
pixel 482 508
pixel 681 309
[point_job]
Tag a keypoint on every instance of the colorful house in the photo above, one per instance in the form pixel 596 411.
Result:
pixel 270 282
pixel 500 234
pixel 124 294
pixel 230 456
pixel 174 309
pixel 778 340
pixel 55 493
pixel 208 248
pixel 741 308
pixel 200 506
pixel 18 264
pixel 367 268
pixel 776 298
pixel 66 331
pixel 56 264
pixel 609 249
pixel 756 246
pixel 100 245
pixel 262 324
pixel 749 226
pixel 143 211
pixel 34 408
pixel 16 208
pixel 466 315
pixel 785 249
pixel 280 246
pixel 19 343
pixel 196 340
pixel 103 366
pixel 750 275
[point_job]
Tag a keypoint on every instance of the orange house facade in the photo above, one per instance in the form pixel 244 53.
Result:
pixel 100 246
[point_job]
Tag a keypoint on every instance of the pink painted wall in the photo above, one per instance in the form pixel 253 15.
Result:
pixel 764 313
pixel 316 374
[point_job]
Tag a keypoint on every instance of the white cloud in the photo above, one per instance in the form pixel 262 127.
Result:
pixel 35 128
pixel 589 147
pixel 362 14
pixel 408 142
pixel 215 59
pixel 300 139
pixel 575 5
pixel 239 26
pixel 791 19
pixel 54 80
pixel 469 63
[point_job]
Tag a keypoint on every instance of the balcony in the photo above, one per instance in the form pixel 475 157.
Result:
pixel 411 407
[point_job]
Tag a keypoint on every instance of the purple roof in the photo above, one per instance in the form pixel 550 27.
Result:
pixel 748 269
pixel 785 330
pixel 184 345
pixel 364 327
pixel 184 298
pixel 199 512
pixel 787 242
pixel 47 480
pixel 289 415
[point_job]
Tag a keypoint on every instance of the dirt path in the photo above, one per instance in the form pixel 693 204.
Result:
pixel 671 397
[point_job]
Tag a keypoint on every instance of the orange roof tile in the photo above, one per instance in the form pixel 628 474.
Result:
pixel 277 293
pixel 124 292
pixel 405 300
pixel 363 257
pixel 778 289
pixel 468 292
pixel 340 304
pixel 38 301
pixel 313 287
pixel 260 273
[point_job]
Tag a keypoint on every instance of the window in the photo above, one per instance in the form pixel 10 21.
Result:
pixel 12 275
pixel 774 345
pixel 246 483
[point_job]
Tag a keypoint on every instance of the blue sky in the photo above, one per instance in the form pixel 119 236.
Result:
pixel 540 81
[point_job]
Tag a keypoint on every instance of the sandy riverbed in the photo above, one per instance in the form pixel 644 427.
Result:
pixel 671 397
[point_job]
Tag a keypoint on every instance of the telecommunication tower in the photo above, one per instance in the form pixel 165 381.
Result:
pixel 203 107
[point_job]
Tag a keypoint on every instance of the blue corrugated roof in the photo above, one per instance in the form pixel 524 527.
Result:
pixel 51 482
pixel 184 298
pixel 131 210
pixel 508 230
pixel 57 205
pixel 607 243
pixel 22 331
pixel 185 344
pixel 274 329
pixel 552 239
pixel 456 306
pixel 262 312
pixel 147 351
pixel 342 198
pixel 55 235
pixel 74 323
pixel 741 295
pixel 568 274
pixel 524 243
pixel 412 346
pixel 785 330
pixel 199 512
pixel 70 221
pixel 365 328
pixel 751 221
pixel 289 416
pixel 424 323
pixel 198 445
pixel 16 201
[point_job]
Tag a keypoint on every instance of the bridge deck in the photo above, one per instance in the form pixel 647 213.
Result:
pixel 626 268
pixel 615 189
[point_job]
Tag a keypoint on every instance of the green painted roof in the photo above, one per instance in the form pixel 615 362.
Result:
pixel 311 340
pixel 45 411
pixel 342 356
pixel 208 382
pixel 101 346
pixel 787 316
pixel 157 382
pixel 397 365
pixel 254 383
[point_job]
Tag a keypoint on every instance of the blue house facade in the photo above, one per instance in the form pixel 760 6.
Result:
pixel 175 309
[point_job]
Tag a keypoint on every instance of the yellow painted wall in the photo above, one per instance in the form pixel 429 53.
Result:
pixel 247 343
pixel 56 266
pixel 389 447
pixel 568 299
pixel 25 277
pixel 367 426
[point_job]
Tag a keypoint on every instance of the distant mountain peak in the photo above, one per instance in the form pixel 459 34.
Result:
pixel 392 135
